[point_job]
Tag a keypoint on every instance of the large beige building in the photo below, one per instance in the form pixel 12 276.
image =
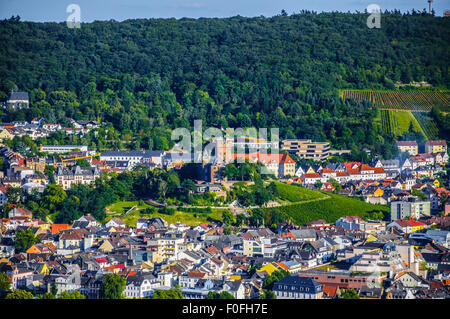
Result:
pixel 169 246
pixel 307 149
pixel 68 176
pixel 410 147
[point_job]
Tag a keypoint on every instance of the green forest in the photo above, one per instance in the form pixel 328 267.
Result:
pixel 143 77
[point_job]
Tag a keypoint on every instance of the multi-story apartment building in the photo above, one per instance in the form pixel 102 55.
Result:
pixel 436 146
pixel 35 163
pixel 169 246
pixel 306 148
pixel 134 157
pixel 411 208
pixel 62 148
pixel 410 147
pixel 379 261
pixel 253 247
pixel 68 176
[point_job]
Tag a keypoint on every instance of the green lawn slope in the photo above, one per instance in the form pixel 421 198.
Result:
pixel 328 208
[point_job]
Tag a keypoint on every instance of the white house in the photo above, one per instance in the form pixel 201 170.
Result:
pixel 141 285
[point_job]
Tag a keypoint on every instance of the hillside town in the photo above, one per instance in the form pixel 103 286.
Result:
pixel 402 256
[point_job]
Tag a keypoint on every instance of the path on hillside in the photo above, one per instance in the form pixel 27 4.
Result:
pixel 244 210
pixel 235 210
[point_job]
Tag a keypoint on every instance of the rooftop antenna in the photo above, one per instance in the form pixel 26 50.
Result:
pixel 430 6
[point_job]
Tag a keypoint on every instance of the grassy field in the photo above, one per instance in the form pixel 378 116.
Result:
pixel 404 119
pixel 293 193
pixel 117 210
pixel 395 122
pixel 299 204
pixel 329 209
pixel 121 207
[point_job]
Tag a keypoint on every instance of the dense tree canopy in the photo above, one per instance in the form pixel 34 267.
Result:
pixel 173 293
pixel 113 286
pixel 19 294
pixel 24 239
pixel 144 77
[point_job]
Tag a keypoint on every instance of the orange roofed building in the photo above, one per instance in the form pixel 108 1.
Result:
pixel 56 228
pixel 281 165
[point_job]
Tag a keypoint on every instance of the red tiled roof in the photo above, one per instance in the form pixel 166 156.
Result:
pixel 312 175
pixel 247 235
pixel 282 266
pixel 56 228
pixel 406 143
pixel 437 142
pixel 217 261
pixel 287 234
pixel 71 236
pixel 266 158
pixel 409 223
pixel 101 260
pixel 119 266
pixel 3 188
pixel 365 167
pixel 379 170
pixel 341 174
pixel 329 291
pixel 197 274
pixel 212 250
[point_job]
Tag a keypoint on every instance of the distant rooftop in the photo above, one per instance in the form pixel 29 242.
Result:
pixel 18 96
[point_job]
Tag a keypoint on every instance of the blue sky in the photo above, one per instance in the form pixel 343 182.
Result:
pixel 55 10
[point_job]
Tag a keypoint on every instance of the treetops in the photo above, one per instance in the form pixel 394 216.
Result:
pixel 145 77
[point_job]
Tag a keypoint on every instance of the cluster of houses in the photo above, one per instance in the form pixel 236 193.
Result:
pixel 377 259
pixel 405 258
pixel 386 181
pixel 38 127
pixel 28 173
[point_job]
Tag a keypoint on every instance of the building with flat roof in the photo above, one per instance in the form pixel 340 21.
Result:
pixel 305 148
pixel 409 209
pixel 134 157
pixel 62 148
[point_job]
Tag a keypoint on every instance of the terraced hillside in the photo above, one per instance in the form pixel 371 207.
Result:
pixel 327 206
pixel 392 100
pixel 396 123
pixel 427 124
